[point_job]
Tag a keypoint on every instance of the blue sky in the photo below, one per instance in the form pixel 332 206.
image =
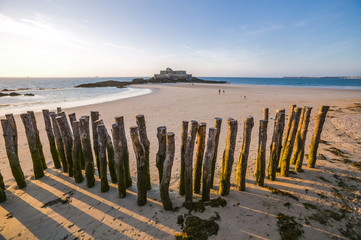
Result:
pixel 254 38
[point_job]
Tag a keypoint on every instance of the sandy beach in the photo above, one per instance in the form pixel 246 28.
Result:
pixel 328 204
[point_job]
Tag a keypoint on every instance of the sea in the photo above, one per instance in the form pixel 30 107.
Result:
pixel 50 93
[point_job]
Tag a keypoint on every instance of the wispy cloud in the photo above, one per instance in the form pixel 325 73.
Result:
pixel 263 30
pixel 41 29
pixel 301 23
pixel 124 47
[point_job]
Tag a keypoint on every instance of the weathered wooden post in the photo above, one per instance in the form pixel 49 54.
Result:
pixel 59 142
pixel 275 144
pixel 321 116
pixel 217 125
pixel 243 155
pixel 141 167
pixel 184 135
pixel 94 116
pixel 207 163
pixel 72 118
pixel 162 149
pixel 58 110
pixel 265 114
pixel 145 142
pixel 298 134
pixel 78 176
pixel 12 154
pixel 228 157
pixel 50 134
pixel 110 153
pixel 119 160
pixel 201 145
pixel 261 156
pixel 125 153
pixel 188 160
pixel 33 145
pixel 40 146
pixel 67 141
pixel 87 151
pixel 167 172
pixel 102 143
pixel 11 119
pixel 282 127
pixel 288 128
pixel 2 189
pixel 2 184
pixel 287 152
pixel 300 145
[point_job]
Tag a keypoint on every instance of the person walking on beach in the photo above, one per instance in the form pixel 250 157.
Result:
pixel 219 91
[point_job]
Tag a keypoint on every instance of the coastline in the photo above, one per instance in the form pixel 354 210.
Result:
pixel 167 106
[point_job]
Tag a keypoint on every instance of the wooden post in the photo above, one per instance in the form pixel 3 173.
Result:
pixel 141 166
pixel 265 114
pixel 67 141
pixel 94 116
pixel 207 164
pixel 119 160
pixel 275 145
pixel 12 154
pixel 59 142
pixel 145 142
pixel 228 157
pixel 58 110
pixel 182 152
pixel 110 153
pixel 261 157
pixel 40 146
pixel 321 116
pixel 300 146
pixel 78 176
pixel 279 140
pixel 33 145
pixel 162 149
pixel 287 152
pixel 87 151
pixel 72 118
pixel 243 155
pixel 2 189
pixel 11 119
pixel 188 160
pixel 201 145
pixel 2 184
pixel 167 172
pixel 102 143
pixel 288 128
pixel 50 134
pixel 298 135
pixel 125 152
pixel 217 125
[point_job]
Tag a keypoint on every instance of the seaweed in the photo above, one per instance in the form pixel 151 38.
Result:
pixel 322 196
pixel 64 200
pixel 322 157
pixel 200 206
pixel 288 228
pixel 324 179
pixel 309 206
pixel 324 142
pixel 280 192
pixel 197 228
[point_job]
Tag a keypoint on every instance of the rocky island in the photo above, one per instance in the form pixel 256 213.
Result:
pixel 165 76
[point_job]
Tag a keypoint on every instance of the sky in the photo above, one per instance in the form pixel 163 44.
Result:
pixel 209 38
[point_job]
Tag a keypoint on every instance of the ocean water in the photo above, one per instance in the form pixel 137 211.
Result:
pixel 336 83
pixel 50 93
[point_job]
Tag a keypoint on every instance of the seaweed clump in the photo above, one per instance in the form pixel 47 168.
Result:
pixel 283 193
pixel 200 206
pixel 197 228
pixel 288 228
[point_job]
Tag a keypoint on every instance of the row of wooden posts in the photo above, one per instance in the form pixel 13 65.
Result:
pixel 70 147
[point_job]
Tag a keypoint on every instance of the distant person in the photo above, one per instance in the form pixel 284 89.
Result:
pixel 223 91
pixel 219 91
pixel 245 97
